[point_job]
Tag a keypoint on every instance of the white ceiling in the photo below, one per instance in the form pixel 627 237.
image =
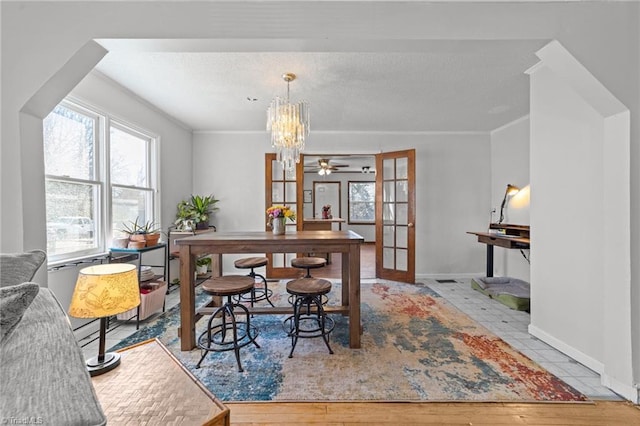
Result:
pixel 372 86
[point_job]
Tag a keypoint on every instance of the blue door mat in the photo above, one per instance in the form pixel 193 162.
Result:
pixel 511 292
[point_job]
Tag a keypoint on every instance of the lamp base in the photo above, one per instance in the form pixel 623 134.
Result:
pixel 111 361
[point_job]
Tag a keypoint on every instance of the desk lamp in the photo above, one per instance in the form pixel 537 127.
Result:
pixel 511 190
pixel 102 291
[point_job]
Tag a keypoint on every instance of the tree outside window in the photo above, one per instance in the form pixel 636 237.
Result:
pixel 362 202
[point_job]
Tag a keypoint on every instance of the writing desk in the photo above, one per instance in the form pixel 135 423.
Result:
pixel 510 237
pixel 219 243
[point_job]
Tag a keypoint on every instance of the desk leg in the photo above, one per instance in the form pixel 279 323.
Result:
pixel 355 328
pixel 187 299
pixel 489 260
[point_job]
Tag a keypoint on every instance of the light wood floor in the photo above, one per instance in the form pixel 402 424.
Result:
pixel 433 413
pixel 367 264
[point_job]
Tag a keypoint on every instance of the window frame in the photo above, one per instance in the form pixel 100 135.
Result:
pixel 350 202
pixel 103 121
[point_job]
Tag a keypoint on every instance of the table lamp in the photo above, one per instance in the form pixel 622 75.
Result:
pixel 511 190
pixel 102 291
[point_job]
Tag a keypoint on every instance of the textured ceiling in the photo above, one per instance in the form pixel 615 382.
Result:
pixel 429 86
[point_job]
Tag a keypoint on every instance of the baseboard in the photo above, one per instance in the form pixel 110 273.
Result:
pixel 622 389
pixel 570 351
pixel 446 276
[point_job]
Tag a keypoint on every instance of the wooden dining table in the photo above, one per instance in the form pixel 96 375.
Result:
pixel 218 243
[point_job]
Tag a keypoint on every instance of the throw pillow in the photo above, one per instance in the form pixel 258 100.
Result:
pixel 17 268
pixel 14 301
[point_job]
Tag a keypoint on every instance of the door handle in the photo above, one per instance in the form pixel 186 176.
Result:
pixel 410 225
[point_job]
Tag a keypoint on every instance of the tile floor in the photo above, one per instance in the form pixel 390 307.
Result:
pixel 508 324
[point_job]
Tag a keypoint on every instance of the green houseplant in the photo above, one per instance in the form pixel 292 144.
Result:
pixel 195 211
pixel 141 234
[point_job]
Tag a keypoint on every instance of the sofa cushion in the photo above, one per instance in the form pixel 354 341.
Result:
pixel 44 366
pixel 17 268
pixel 14 300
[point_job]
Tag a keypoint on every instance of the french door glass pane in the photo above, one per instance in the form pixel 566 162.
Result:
pixel 402 215
pixel 128 159
pixel 388 167
pixel 388 193
pixel 402 168
pixel 402 191
pixel 388 213
pixel 388 258
pixel 69 144
pixel 290 193
pixel 71 217
pixel 401 260
pixel 387 236
pixel 277 192
pixel 401 236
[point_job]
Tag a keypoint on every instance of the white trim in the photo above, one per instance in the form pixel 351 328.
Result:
pixel 343 132
pixel 570 351
pixel 511 123
pixel 448 276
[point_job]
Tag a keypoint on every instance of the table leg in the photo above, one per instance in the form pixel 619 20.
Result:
pixel 345 280
pixel 187 299
pixel 489 260
pixel 355 327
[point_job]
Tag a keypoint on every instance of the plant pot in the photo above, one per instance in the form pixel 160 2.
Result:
pixel 136 244
pixel 138 237
pixel 201 269
pixel 120 242
pixel 152 239
pixel 202 225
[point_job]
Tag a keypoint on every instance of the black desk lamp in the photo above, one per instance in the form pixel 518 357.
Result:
pixel 511 190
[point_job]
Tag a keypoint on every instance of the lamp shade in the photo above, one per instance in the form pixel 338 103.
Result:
pixel 105 290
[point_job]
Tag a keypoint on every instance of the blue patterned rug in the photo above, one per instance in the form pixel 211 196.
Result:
pixel 416 347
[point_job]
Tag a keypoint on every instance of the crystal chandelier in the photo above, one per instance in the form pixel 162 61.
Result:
pixel 289 126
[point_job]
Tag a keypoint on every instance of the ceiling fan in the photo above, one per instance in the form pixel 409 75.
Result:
pixel 325 167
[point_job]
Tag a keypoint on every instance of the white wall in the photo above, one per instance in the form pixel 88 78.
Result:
pixel 231 165
pixel 580 262
pixel 510 165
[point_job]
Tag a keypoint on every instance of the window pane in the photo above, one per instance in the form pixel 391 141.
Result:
pixel 71 217
pixel 69 144
pixel 362 207
pixel 128 158
pixel 129 204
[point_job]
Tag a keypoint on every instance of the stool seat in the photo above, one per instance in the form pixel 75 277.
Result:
pixel 251 262
pixel 308 262
pixel 309 287
pixel 228 285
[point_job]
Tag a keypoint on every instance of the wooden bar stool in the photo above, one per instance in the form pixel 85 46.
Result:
pixel 257 293
pixel 307 323
pixel 308 263
pixel 229 334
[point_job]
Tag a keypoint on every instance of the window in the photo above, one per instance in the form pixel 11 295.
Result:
pixel 362 202
pixel 94 179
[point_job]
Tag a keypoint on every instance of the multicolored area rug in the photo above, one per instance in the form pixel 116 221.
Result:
pixel 415 347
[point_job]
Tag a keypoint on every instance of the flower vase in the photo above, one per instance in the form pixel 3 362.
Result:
pixel 277 225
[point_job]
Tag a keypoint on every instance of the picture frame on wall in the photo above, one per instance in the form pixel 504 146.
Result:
pixel 308 195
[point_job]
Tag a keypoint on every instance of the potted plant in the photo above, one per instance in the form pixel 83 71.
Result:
pixel 196 210
pixel 202 265
pixel 141 235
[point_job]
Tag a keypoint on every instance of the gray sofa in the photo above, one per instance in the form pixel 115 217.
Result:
pixel 43 378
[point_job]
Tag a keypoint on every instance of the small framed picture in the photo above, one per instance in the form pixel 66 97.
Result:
pixel 307 195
